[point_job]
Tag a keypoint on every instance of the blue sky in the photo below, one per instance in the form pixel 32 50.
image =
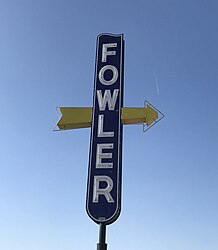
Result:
pixel 170 175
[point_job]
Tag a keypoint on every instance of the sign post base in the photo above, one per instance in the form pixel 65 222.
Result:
pixel 102 235
pixel 101 246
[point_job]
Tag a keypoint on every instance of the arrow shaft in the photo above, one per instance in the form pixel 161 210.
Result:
pixel 133 115
pixel 75 117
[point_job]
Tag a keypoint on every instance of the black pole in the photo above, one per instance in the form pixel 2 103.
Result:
pixel 102 236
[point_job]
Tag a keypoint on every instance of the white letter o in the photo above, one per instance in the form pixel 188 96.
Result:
pixel 113 79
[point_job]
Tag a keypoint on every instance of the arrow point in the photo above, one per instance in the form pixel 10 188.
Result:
pixel 152 114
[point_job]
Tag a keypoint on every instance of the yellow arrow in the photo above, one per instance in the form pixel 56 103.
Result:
pixel 75 117
pixel 81 117
pixel 139 115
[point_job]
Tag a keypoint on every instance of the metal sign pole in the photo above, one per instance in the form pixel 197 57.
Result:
pixel 102 236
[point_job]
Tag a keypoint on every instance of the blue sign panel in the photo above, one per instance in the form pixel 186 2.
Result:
pixel 103 202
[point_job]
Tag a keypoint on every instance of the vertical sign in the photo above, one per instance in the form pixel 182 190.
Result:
pixel 103 202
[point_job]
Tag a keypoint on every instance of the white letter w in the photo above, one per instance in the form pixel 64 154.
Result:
pixel 102 101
